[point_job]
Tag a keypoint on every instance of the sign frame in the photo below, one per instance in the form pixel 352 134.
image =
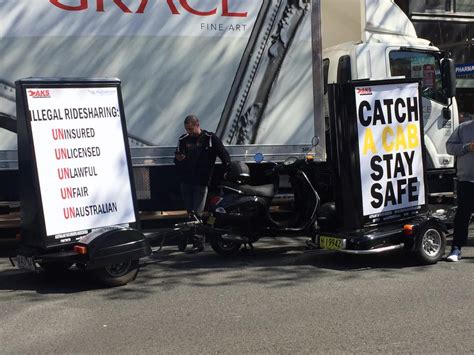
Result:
pixel 345 158
pixel 33 224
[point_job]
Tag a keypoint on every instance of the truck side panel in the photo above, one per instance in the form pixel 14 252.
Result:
pixel 174 58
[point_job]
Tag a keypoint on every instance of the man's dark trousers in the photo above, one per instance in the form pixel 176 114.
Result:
pixel 465 196
pixel 194 197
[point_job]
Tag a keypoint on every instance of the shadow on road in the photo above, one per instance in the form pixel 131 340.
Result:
pixel 284 262
pixel 282 254
pixel 68 282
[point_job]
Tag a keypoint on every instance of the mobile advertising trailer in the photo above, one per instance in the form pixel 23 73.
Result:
pixel 377 155
pixel 78 201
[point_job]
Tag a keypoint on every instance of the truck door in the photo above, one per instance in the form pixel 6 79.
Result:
pixel 425 66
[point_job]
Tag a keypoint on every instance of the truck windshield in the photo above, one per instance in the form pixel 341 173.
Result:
pixel 423 66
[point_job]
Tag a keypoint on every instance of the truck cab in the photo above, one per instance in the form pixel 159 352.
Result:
pixel 349 62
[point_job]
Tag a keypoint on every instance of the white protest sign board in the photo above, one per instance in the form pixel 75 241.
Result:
pixel 390 148
pixel 81 158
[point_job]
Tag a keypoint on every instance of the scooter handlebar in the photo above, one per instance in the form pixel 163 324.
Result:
pixel 285 167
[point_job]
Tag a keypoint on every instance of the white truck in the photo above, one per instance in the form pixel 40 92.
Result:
pixel 252 70
pixel 378 41
pixel 244 67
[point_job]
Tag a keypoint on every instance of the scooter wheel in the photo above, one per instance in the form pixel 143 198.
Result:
pixel 183 240
pixel 224 247
pixel 182 246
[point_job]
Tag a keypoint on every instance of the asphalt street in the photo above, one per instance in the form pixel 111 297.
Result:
pixel 279 298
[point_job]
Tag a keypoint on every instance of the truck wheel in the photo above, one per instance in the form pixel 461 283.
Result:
pixel 118 274
pixel 55 267
pixel 431 244
pixel 224 247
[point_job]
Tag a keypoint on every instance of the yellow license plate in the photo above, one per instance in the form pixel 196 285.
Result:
pixel 211 220
pixel 331 243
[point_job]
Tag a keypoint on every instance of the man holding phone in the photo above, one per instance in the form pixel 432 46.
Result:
pixel 195 157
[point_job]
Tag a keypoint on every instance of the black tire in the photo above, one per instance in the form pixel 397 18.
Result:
pixel 118 274
pixel 430 244
pixel 224 247
pixel 55 267
pixel 313 231
pixel 182 242
pixel 182 246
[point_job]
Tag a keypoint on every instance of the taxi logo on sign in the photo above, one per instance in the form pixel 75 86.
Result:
pixel 39 94
pixel 364 91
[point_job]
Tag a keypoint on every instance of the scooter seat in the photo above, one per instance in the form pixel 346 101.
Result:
pixel 262 190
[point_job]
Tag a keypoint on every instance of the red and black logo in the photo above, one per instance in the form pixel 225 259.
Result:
pixel 364 91
pixel 39 94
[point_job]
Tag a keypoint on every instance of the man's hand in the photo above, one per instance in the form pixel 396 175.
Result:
pixel 470 147
pixel 179 156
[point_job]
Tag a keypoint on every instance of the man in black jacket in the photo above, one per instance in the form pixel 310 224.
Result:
pixel 195 158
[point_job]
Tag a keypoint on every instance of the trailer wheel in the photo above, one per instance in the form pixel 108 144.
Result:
pixel 431 244
pixel 118 274
pixel 182 242
pixel 224 247
pixel 55 267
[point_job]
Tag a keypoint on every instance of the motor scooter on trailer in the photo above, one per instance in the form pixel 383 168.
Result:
pixel 242 214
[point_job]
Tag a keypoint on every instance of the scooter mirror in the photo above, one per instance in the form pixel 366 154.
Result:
pixel 290 160
pixel 258 157
pixel 315 141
